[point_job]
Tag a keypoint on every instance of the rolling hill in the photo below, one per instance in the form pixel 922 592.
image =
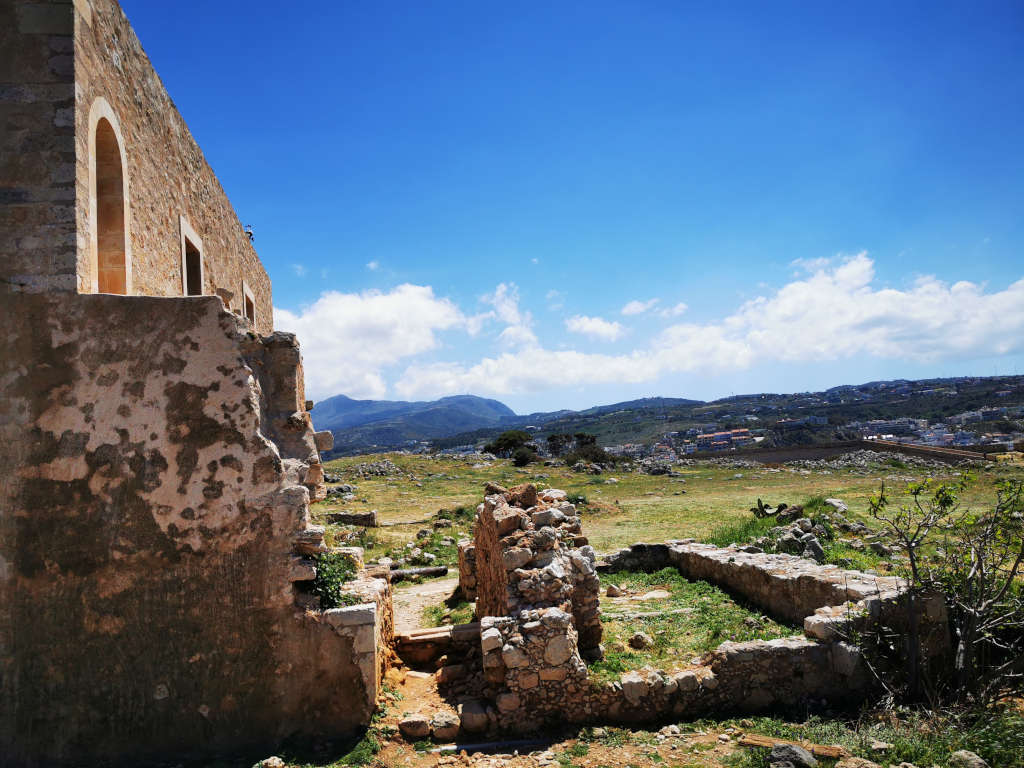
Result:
pixel 360 425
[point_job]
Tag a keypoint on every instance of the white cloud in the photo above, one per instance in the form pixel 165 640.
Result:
pixel 675 311
pixel 518 323
pixel 595 327
pixel 299 270
pixel 637 307
pixel 373 266
pixel 555 299
pixel 348 339
pixel 535 260
pixel 810 266
pixel 834 313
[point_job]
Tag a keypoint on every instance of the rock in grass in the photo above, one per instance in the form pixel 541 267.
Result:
pixel 796 756
pixel 856 762
pixel 966 759
pixel 641 640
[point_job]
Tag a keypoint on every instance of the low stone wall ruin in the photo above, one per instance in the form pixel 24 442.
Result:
pixel 533 573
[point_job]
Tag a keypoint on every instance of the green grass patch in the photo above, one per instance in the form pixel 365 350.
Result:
pixel 741 531
pixel 694 619
pixel 918 738
pixel 460 612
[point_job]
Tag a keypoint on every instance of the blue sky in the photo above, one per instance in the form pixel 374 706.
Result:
pixel 464 197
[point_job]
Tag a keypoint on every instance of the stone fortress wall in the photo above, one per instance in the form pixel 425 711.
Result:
pixel 157 454
pixel 154 539
pixel 101 169
pixel 38 231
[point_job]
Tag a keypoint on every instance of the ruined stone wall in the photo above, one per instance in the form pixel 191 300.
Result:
pixel 530 555
pixel 533 654
pixel 148 539
pixel 467 569
pixel 168 176
pixel 38 244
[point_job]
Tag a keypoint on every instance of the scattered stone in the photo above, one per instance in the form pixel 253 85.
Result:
pixel 473 716
pixel 444 726
pixel 879 746
pixel 813 549
pixel 270 762
pixel 792 754
pixel 880 549
pixel 838 505
pixel 966 759
pixel 414 727
pixel 641 640
pixel 614 591
pixel 856 762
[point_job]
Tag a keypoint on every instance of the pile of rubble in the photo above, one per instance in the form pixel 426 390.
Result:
pixel 865 459
pixel 383 468
pixel 345 492
pixel 655 467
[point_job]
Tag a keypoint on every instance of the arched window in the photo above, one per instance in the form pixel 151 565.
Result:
pixel 110 257
pixel 110 234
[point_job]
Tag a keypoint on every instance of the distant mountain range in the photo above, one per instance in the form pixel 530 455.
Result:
pixel 362 426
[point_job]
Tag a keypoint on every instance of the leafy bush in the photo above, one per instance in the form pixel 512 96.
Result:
pixel 590 453
pixel 523 456
pixel 333 569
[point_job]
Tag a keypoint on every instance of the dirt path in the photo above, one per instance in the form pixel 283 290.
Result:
pixel 411 599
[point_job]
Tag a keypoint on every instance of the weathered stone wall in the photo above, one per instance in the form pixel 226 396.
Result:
pixel 825 599
pixel 168 177
pixel 530 555
pixel 534 669
pixel 38 243
pixel 150 537
pixel 467 569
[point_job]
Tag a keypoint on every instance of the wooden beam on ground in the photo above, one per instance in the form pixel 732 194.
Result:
pixel 818 750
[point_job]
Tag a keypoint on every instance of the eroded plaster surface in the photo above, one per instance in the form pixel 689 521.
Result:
pixel 148 530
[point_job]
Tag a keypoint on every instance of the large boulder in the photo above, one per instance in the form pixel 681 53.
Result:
pixel 796 756
pixel 473 716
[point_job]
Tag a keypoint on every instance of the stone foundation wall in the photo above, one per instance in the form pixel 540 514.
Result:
pixel 151 537
pixel 535 672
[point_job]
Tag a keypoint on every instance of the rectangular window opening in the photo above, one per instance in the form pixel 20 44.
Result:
pixel 250 310
pixel 193 270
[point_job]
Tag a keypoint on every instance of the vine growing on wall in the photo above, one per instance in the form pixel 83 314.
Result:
pixel 333 570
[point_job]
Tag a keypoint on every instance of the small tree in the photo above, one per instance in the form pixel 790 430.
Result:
pixel 976 564
pixel 984 557
pixel 558 443
pixel 506 443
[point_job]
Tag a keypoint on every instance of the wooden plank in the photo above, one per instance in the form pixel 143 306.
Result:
pixel 818 750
